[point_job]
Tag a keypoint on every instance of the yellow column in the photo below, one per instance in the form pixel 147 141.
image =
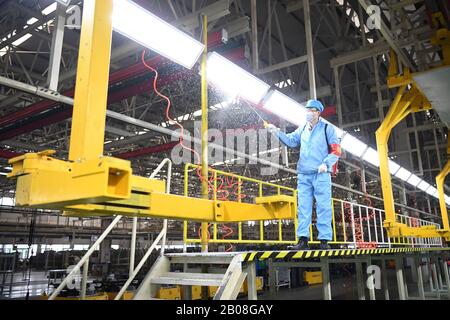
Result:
pixel 382 136
pixel 440 178
pixel 204 89
pixel 89 111
pixel 399 109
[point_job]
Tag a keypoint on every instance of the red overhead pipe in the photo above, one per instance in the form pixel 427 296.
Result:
pixel 329 111
pixel 31 110
pixel 147 151
pixel 135 70
pixel 67 114
pixel 54 118
pixel 145 86
pixel 6 154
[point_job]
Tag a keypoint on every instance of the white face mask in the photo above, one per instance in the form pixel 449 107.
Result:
pixel 310 117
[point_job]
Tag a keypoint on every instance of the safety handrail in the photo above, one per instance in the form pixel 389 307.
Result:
pixel 239 179
pixel 84 260
pixel 365 224
pixel 162 235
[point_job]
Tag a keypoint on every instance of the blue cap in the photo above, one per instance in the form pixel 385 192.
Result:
pixel 315 104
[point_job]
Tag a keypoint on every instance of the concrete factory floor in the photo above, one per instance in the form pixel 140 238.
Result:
pixel 345 289
pixel 38 285
pixel 341 289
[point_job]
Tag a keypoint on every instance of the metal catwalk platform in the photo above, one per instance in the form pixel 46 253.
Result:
pixel 429 263
pixel 311 254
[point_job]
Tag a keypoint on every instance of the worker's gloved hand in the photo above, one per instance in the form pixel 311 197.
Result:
pixel 271 127
pixel 323 168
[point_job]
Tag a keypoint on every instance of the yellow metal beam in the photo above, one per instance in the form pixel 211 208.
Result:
pixel 395 79
pixel 204 93
pixel 442 39
pixel 89 111
pixel 393 64
pixel 404 103
pixel 382 137
pixel 161 205
pixel 407 102
pixel 440 178
pixel 46 182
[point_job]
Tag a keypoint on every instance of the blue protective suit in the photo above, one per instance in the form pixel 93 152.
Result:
pixel 313 152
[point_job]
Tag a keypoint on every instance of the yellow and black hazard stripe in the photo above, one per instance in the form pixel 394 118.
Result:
pixel 311 254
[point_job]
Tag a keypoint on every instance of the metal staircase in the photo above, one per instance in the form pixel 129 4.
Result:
pixel 229 280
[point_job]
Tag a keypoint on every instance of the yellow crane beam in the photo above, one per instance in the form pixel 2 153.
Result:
pixel 106 187
pixel 91 92
pixel 409 99
pixel 92 184
pixel 440 179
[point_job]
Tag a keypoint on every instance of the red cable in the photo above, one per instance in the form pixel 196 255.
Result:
pixel 222 188
pixel 229 234
pixel 200 231
pixel 155 79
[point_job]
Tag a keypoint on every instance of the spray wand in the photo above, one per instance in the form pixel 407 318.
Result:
pixel 265 123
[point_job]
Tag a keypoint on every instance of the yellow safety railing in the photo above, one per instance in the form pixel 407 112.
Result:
pixel 354 225
pixel 255 186
pixel 361 226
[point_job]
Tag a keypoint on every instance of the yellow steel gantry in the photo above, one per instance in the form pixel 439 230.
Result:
pixel 440 178
pixel 205 138
pixel 92 184
pixel 409 99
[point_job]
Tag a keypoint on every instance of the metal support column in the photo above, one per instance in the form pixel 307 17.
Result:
pixel 400 281
pixel 168 185
pixel 133 246
pixel 371 288
pixel 417 263
pixel 446 277
pixel 337 85
pixel 384 279
pixel 89 111
pixel 105 248
pixel 363 178
pixel 439 273
pixel 284 149
pixel 251 281
pixel 378 88
pixel 435 279
pixel 204 160
pixel 360 281
pixel 430 275
pixel 440 179
pixel 56 49
pixel 187 292
pixel 255 53
pixel 84 279
pixel 272 279
pixel 325 268
pixel 310 50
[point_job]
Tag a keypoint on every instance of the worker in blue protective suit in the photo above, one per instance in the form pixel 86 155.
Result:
pixel 319 152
